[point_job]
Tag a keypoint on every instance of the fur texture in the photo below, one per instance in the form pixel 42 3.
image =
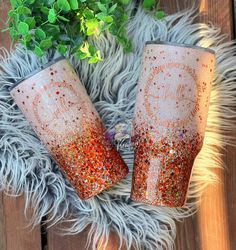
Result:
pixel 25 166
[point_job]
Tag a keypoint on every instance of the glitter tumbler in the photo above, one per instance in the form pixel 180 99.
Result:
pixel 170 118
pixel 58 108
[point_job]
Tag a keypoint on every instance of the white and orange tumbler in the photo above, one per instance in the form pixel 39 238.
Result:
pixel 171 109
pixel 57 106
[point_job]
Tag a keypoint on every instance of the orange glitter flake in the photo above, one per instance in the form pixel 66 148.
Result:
pixel 98 167
pixel 159 184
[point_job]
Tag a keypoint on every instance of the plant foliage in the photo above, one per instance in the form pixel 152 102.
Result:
pixel 63 24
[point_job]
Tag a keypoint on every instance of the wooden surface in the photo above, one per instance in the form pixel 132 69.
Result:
pixel 15 228
pixel 4 37
pixel 212 228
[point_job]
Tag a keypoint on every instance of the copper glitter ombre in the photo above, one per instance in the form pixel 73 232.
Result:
pixel 58 108
pixel 168 129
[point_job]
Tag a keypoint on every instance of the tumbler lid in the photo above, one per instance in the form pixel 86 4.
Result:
pixel 181 45
pixel 40 68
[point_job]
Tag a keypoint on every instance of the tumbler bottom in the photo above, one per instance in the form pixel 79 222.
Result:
pixel 158 202
pixel 90 162
pixel 162 168
pixel 95 192
pixel 161 185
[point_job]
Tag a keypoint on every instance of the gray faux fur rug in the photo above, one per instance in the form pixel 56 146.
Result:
pixel 25 166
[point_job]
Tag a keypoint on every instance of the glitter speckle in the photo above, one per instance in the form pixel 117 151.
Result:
pixel 97 165
pixel 173 170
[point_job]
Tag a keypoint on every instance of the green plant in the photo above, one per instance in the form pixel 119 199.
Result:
pixel 44 24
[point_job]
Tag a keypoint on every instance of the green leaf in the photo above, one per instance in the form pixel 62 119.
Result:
pixel 13 17
pixel 40 34
pixel 113 7
pixel 148 4
pixel 23 10
pixel 126 43
pixel 50 2
pixel 30 1
pixel 85 49
pixel 106 26
pixel 28 37
pixel 46 44
pixel 100 15
pixel 125 2
pixel 81 55
pixel 160 14
pixel 107 19
pixel 78 39
pixel 74 4
pixel 11 13
pixel 102 7
pixel 63 5
pixel 63 18
pixel 95 58
pixel 13 34
pixel 128 47
pixel 51 29
pixel 62 49
pixel 92 49
pixel 15 3
pixel 88 14
pixel 37 51
pixel 23 28
pixel 44 9
pixel 52 16
pixel 30 21
pixel 92 26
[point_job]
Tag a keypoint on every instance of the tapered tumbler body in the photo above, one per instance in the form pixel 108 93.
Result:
pixel 173 96
pixel 60 111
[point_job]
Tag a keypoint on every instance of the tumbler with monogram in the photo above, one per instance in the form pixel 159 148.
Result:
pixel 57 106
pixel 168 129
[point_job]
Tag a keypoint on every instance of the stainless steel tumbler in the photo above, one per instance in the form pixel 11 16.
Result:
pixel 171 109
pixel 57 106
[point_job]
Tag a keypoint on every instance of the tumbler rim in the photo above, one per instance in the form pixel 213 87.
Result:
pixel 181 45
pixel 34 72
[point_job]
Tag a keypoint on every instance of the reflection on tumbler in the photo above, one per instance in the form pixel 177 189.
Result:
pixel 170 117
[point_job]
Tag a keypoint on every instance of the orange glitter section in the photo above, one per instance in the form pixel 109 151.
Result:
pixel 162 168
pixel 89 161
